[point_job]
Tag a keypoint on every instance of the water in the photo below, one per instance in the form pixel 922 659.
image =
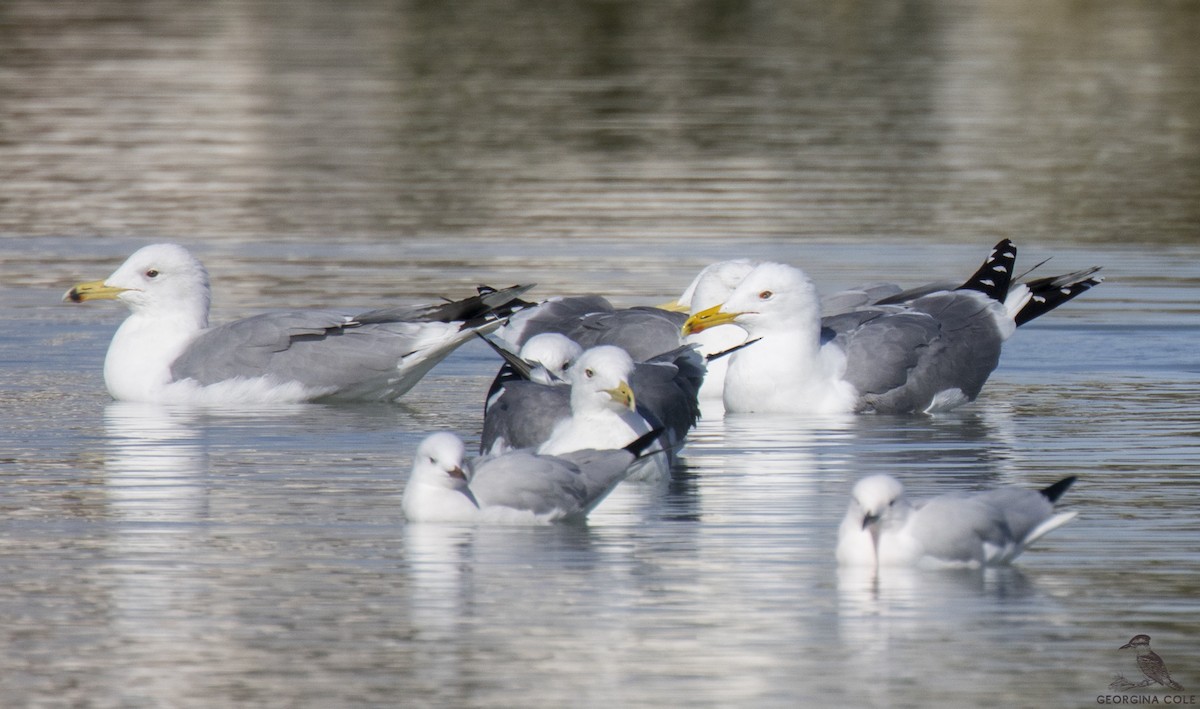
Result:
pixel 322 155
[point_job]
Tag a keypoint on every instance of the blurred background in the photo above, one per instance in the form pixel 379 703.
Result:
pixel 495 119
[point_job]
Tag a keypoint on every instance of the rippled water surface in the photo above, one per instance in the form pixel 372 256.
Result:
pixel 329 154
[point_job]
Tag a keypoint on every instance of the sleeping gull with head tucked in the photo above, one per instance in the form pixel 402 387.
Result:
pixel 883 528
pixel 165 350
pixel 928 354
pixel 516 487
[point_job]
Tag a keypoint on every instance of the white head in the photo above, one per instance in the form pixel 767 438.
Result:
pixel 772 297
pixel 874 496
pixel 877 503
pixel 553 352
pixel 714 283
pixel 437 486
pixel 600 380
pixel 157 278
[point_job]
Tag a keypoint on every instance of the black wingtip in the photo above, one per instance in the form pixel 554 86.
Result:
pixel 639 446
pixel 522 368
pixel 1056 490
pixel 993 277
pixel 1051 292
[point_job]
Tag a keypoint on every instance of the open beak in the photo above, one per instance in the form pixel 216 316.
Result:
pixel 457 473
pixel 705 319
pixel 623 395
pixel 93 290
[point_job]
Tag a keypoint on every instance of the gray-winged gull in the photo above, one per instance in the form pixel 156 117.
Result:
pixel 516 487
pixel 597 408
pixel 882 528
pixel 165 350
pixel 521 413
pixel 929 354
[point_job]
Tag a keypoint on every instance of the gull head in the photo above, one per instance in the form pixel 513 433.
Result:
pixel 554 353
pixel 773 296
pixel 439 462
pixel 159 276
pixel 600 380
pixel 874 497
pixel 714 283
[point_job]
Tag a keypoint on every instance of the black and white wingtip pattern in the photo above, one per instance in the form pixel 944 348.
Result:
pixel 993 277
pixel 1055 491
pixel 1048 293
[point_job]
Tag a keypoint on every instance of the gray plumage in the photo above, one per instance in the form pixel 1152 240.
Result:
pixel 166 351
pixel 883 528
pixel 513 487
pixel 900 358
pixel 911 351
pixel 524 413
pixel 379 354
pixel 643 332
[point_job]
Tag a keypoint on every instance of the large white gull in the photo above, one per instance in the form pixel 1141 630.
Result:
pixel 515 487
pixel 883 528
pixel 927 354
pixel 165 350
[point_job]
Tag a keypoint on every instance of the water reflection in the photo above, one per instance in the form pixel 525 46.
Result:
pixel 155 474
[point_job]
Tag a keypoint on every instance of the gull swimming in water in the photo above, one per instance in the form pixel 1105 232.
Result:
pixel 165 350
pixel 929 354
pixel 517 487
pixel 596 409
pixel 883 528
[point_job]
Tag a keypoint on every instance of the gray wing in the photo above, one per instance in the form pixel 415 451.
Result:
pixel 666 389
pixel 642 332
pixel 341 353
pixel 590 320
pixel 1023 510
pixel 600 471
pixel 552 315
pixel 525 481
pixel 956 527
pixel 900 357
pixel 524 414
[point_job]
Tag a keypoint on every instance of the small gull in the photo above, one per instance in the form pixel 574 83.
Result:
pixel 597 409
pixel 523 412
pixel 882 528
pixel 517 487
pixel 928 354
pixel 166 352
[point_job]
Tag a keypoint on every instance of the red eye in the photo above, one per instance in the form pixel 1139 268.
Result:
pixel 765 295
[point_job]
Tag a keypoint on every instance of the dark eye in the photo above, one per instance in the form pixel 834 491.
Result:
pixel 765 295
pixel 588 373
pixel 152 273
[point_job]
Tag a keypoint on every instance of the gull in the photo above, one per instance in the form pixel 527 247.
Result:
pixel 882 528
pixel 711 287
pixel 165 350
pixel 596 409
pixel 524 411
pixel 517 487
pixel 928 354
